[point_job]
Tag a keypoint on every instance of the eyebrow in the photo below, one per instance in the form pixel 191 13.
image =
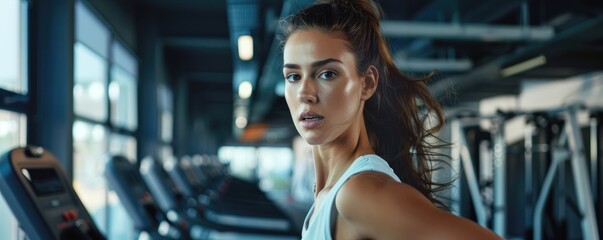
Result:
pixel 316 64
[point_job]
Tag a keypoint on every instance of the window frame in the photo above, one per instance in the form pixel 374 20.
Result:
pixel 18 101
pixel 107 123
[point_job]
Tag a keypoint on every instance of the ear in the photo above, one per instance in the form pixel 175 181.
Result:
pixel 370 82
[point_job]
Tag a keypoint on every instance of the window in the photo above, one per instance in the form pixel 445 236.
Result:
pixel 12 134
pixel 13 83
pixel 122 89
pixel 166 126
pixel 89 155
pixel 166 122
pixel 124 145
pixel 120 225
pixel 105 109
pixel 123 99
pixel 13 45
pixel 272 166
pixel 275 165
pixel 89 97
pixel 242 160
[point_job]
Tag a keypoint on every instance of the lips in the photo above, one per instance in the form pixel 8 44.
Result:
pixel 310 119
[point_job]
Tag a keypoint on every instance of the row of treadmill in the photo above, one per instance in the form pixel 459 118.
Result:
pixel 192 198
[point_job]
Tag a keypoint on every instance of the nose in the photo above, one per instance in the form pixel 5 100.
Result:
pixel 307 92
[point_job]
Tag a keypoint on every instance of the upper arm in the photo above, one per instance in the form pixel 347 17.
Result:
pixel 381 208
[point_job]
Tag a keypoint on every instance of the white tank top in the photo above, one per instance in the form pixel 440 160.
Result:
pixel 323 220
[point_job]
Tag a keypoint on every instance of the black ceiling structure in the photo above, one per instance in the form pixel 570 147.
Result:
pixel 468 43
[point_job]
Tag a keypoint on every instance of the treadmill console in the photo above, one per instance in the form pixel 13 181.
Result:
pixel 124 178
pixel 41 197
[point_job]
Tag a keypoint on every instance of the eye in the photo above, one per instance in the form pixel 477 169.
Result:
pixel 327 75
pixel 292 77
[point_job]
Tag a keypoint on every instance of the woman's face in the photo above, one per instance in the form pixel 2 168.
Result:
pixel 323 89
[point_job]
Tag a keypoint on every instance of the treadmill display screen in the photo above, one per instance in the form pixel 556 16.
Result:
pixel 44 181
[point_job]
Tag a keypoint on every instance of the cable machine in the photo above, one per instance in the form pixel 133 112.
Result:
pixel 569 147
pixel 463 160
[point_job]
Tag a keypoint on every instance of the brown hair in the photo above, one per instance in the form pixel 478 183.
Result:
pixel 397 116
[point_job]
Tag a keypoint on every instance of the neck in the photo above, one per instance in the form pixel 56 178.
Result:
pixel 332 159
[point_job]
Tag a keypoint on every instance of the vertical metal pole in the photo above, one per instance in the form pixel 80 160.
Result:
pixel 524 19
pixel 455 153
pixel 581 181
pixel 467 162
pixel 559 156
pixel 546 187
pixel 594 143
pixel 528 158
pixel 486 174
pixel 500 178
pixel 560 194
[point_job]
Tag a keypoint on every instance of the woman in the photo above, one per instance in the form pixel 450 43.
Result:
pixel 361 116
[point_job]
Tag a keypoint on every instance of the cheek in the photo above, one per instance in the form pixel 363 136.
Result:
pixel 344 97
pixel 290 97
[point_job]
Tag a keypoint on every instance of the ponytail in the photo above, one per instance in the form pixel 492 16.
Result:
pixel 399 115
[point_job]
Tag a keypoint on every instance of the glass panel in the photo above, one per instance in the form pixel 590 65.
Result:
pixel 123 145
pixel 89 90
pixel 12 46
pixel 90 30
pixel 165 105
pixel 166 152
pixel 242 161
pixel 12 134
pixel 303 177
pixel 89 155
pixel 124 58
pixel 122 93
pixel 166 126
pixel 120 223
pixel 274 168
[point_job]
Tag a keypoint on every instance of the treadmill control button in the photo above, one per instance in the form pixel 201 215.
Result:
pixel 34 152
pixel 70 215
pixel 55 203
pixel 66 216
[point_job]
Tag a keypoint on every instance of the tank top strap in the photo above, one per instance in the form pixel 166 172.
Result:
pixel 365 163
pixel 324 218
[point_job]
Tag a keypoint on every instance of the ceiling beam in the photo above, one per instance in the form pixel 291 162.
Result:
pixel 197 42
pixel 428 65
pixel 578 35
pixel 456 31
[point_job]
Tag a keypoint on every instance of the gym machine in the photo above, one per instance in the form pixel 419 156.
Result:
pixel 242 212
pixel 462 159
pixel 148 219
pixel 186 220
pixel 197 214
pixel 41 197
pixel 570 147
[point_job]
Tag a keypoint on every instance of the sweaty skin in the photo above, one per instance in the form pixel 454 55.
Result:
pixel 322 78
pixel 325 93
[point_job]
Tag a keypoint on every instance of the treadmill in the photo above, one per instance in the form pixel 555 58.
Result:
pixel 170 199
pixel 124 178
pixel 242 211
pixel 236 212
pixel 42 198
pixel 220 186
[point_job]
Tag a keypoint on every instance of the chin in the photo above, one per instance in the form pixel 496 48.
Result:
pixel 311 139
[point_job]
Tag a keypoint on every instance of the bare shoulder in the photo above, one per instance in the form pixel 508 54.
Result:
pixel 380 207
pixel 379 192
